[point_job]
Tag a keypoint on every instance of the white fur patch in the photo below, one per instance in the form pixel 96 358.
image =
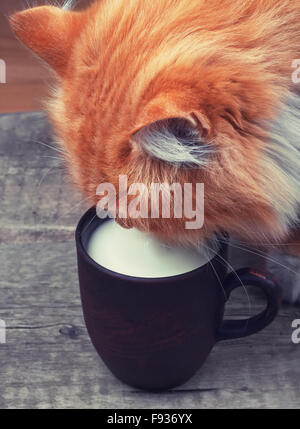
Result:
pixel 68 5
pixel 62 4
pixel 282 160
pixel 174 141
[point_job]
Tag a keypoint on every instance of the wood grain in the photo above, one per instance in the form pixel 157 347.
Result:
pixel 48 360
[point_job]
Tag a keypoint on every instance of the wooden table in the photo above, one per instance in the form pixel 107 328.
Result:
pixel 48 360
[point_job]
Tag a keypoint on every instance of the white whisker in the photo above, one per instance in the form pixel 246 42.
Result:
pixel 218 278
pixel 240 281
pixel 268 258
pixel 44 176
pixel 53 157
pixel 50 147
pixel 74 207
pixel 86 227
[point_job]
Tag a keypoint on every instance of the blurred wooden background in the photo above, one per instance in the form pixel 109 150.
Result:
pixel 27 78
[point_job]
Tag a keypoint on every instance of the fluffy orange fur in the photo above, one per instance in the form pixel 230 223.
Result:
pixel 123 65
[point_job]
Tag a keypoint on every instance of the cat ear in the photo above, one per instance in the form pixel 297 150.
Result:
pixel 162 108
pixel 174 131
pixel 49 32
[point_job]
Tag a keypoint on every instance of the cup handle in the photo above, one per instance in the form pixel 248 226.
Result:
pixel 251 277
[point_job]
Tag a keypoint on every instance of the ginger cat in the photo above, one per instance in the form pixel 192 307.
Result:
pixel 196 91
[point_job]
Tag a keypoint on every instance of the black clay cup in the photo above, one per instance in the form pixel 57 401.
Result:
pixel 155 333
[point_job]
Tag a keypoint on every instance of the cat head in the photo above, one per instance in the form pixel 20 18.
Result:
pixel 169 92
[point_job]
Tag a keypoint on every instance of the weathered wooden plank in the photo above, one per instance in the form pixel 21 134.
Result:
pixel 48 360
pixel 37 200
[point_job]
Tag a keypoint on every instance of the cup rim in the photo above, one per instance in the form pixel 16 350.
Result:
pixel 90 213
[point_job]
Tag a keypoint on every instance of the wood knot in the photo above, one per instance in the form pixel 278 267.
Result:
pixel 71 331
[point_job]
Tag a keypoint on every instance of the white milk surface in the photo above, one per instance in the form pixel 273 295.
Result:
pixel 135 253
